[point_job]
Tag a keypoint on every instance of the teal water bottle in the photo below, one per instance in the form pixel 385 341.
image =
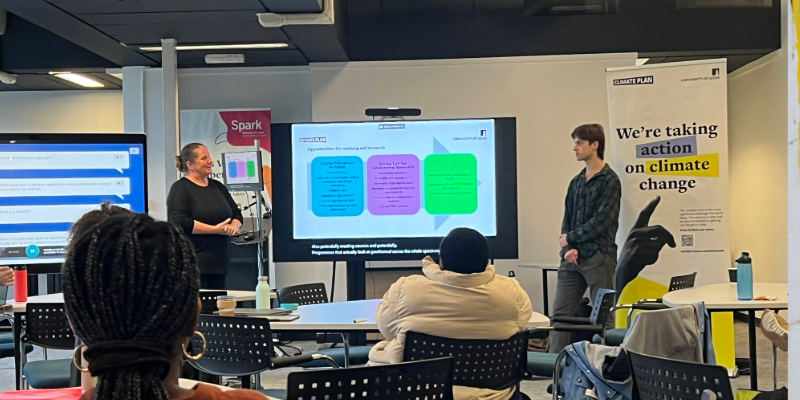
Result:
pixel 744 277
pixel 263 294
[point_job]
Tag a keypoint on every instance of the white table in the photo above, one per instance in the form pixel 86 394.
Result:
pixel 240 295
pixel 722 297
pixel 19 309
pixel 545 269
pixel 340 317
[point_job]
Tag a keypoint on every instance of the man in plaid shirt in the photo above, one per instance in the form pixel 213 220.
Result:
pixel 588 231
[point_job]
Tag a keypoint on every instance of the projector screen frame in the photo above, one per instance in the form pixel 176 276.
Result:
pixel 505 245
pixel 78 138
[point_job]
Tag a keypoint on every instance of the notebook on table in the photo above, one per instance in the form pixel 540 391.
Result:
pixel 274 314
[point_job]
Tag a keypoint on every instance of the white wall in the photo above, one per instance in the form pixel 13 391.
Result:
pixel 757 144
pixel 284 90
pixel 550 96
pixel 790 31
pixel 68 111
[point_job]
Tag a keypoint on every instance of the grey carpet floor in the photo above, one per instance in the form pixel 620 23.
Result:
pixel 536 389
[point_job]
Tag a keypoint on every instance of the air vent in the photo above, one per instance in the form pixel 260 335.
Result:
pixel 560 7
pixel 714 4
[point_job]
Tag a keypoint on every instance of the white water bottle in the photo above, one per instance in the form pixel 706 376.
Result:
pixel 263 295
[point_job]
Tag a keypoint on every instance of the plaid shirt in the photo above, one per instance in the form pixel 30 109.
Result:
pixel 591 214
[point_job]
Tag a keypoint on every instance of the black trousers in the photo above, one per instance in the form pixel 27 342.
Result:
pixel 212 281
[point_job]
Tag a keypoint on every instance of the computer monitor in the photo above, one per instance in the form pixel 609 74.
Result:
pixel 48 181
pixel 242 171
pixel 391 190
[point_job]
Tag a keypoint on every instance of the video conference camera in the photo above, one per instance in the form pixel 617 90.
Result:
pixel 393 112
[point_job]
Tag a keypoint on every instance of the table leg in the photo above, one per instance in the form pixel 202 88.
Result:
pixel 774 367
pixel 17 333
pixel 346 339
pixel 751 331
pixel 544 293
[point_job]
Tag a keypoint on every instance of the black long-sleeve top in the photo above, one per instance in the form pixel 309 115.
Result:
pixel 188 202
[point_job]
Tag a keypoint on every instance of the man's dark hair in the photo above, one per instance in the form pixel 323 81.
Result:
pixel 131 285
pixel 92 218
pixel 592 133
pixel 465 251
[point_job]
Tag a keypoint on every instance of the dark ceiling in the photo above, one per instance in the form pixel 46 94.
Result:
pixel 93 35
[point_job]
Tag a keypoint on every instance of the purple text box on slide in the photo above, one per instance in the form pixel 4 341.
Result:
pixel 393 184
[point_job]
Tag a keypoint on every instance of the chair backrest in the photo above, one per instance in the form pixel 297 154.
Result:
pixel 486 364
pixel 235 345
pixel 46 325
pixel 3 295
pixel 310 293
pixel 209 300
pixel 682 282
pixel 428 379
pixel 603 304
pixel 660 378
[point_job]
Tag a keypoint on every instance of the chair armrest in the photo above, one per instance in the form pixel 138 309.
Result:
pixel 573 328
pixel 572 320
pixel 642 301
pixel 283 362
pixel 648 306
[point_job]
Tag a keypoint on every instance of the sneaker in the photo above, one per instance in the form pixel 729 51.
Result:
pixel 775 329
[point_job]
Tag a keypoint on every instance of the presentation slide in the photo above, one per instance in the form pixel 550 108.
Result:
pixel 242 171
pixel 400 179
pixel 45 188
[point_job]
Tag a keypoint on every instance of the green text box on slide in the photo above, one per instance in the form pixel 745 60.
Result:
pixel 451 184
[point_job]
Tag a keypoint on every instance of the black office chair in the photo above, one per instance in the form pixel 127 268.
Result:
pixel 7 339
pixel 615 337
pixel 486 364
pixel 242 346
pixel 543 364
pixel 310 293
pixel 658 378
pixel 46 325
pixel 315 293
pixel 209 301
pixel 427 379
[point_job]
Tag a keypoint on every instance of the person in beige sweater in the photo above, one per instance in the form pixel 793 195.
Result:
pixel 460 299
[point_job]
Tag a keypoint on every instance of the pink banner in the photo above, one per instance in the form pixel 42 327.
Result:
pixel 244 127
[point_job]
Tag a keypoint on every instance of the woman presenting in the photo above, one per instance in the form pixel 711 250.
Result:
pixel 205 211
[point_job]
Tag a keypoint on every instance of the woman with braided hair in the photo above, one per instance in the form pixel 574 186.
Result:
pixel 131 293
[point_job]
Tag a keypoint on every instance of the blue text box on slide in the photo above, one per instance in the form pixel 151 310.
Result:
pixel 337 186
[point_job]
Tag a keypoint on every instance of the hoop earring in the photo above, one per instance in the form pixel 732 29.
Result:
pixel 75 359
pixel 202 352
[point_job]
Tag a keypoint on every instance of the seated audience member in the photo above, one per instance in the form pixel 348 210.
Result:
pixel 460 299
pixel 6 276
pixel 131 292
